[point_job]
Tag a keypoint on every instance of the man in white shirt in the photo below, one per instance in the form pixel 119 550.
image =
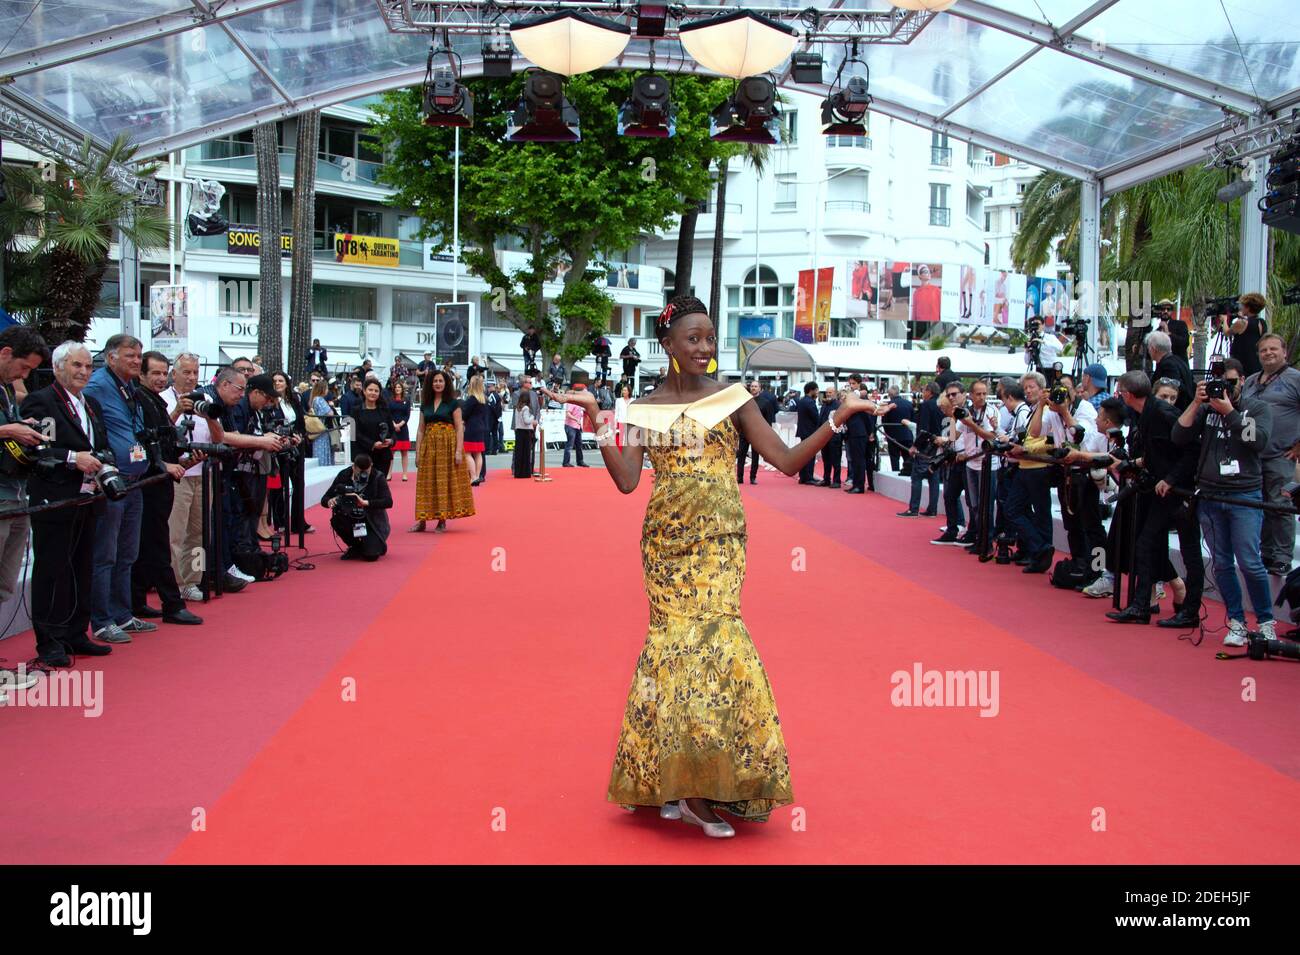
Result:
pixel 1070 423
pixel 977 426
pixel 186 522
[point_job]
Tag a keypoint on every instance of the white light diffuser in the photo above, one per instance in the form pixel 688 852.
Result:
pixel 570 43
pixel 932 6
pixel 738 44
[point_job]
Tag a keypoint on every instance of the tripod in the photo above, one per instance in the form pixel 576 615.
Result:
pixel 1082 355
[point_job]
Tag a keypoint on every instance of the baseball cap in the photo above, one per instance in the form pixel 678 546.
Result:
pixel 262 383
pixel 1098 375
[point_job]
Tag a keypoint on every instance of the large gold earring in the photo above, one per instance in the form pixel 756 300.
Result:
pixel 713 365
pixel 676 367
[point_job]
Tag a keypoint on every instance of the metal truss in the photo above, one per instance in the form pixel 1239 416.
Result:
pixel 1246 142
pixel 22 127
pixel 480 17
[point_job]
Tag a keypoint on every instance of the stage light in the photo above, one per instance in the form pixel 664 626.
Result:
pixel 806 67
pixel 648 113
pixel 446 101
pixel 651 18
pixel 1281 204
pixel 543 115
pixel 498 56
pixel 844 112
pixel 738 44
pixel 748 117
pixel 570 43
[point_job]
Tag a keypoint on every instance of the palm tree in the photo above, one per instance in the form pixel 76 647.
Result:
pixel 57 236
pixel 304 222
pixel 266 147
pixel 756 155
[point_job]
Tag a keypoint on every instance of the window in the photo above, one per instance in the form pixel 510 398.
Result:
pixel 986 253
pixel 1020 188
pixel 988 222
pixel 1018 215
pixel 408 227
pixel 767 298
pixel 940 152
pixel 349 302
pixel 369 222
pixel 787 195
pixel 491 318
pixel 848 193
pixel 240 206
pixel 411 307
pixel 790 127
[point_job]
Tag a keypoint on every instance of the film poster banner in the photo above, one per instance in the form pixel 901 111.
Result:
pixel 366 250
pixel 1009 289
pixel 927 291
pixel 243 240
pixel 822 310
pixel 804 296
pixel 169 319
pixel 1047 299
pixel 964 295
pixel 757 326
pixel 863 291
pixel 895 291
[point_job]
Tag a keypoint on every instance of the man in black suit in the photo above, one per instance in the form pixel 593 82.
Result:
pixel 809 422
pixel 366 538
pixel 63 539
pixel 317 356
pixel 1169 365
pixel 898 428
pixel 834 450
pixel 744 448
pixel 860 426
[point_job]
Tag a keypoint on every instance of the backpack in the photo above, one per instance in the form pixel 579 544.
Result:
pixel 1068 575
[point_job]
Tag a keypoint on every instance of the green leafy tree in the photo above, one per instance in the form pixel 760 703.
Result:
pixel 57 233
pixel 581 202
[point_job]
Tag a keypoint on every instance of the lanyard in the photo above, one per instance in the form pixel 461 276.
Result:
pixel 72 409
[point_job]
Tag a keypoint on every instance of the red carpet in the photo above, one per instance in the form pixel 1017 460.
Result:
pixel 491 665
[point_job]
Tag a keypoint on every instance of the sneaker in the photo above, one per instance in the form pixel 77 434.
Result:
pixel 1236 635
pixel 234 571
pixel 112 634
pixel 1103 586
pixel 1160 592
pixel 17 678
pixel 136 625
pixel 191 593
pixel 948 539
pixel 1268 629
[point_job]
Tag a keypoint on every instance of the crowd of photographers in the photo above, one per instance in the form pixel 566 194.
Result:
pixel 1163 453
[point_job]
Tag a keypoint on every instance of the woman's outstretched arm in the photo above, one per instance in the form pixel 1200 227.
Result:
pixel 625 465
pixel 788 460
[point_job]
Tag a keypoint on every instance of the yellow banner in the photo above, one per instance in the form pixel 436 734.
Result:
pixel 366 249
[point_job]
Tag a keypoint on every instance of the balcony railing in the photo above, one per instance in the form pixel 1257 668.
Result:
pixel 709 206
pixel 329 167
pixel 940 215
pixel 847 205
pixel 848 142
pixel 940 155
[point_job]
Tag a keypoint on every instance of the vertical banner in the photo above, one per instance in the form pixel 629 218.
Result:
pixel 864 284
pixel 803 307
pixel 951 294
pixel 967 279
pixel 895 291
pixel 1015 300
pixel 822 310
pixel 927 284
pixel 1049 299
pixel 169 319
pixel 452 329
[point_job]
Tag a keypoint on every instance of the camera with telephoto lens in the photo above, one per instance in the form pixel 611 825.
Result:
pixel 108 478
pixel 1229 305
pixel 17 459
pixel 204 406
pixel 185 442
pixel 1215 385
pixel 1077 327
pixel 1260 647
pixel 347 505
pixel 1059 394
pixel 960 413
pixel 1291 296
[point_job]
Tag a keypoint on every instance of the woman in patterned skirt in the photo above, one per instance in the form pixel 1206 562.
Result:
pixel 442 477
pixel 700 731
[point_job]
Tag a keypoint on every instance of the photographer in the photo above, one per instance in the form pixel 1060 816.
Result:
pixel 185 525
pixel 1164 468
pixel 1247 326
pixel 1029 504
pixel 1278 386
pixel 1230 433
pixel 953 467
pixel 974 427
pixel 63 540
pixel 21 351
pixel 1013 420
pixel 929 422
pixel 359 500
pixel 1169 365
pixel 530 344
pixel 242 401
pixel 153 566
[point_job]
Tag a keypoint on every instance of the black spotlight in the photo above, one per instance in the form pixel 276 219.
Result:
pixel 648 113
pixel 1281 204
pixel 844 112
pixel 806 67
pixel 543 115
pixel 446 101
pixel 651 18
pixel 748 117
pixel 498 56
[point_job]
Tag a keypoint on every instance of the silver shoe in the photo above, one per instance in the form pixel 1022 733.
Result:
pixel 714 830
pixel 112 634
pixel 670 811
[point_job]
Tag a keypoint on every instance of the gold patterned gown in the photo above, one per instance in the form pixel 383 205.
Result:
pixel 700 719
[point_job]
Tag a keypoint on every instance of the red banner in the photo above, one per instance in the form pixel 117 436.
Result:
pixel 822 312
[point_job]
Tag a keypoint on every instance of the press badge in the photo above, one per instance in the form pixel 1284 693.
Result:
pixel 137 454
pixel 1229 467
pixel 359 530
pixel 87 486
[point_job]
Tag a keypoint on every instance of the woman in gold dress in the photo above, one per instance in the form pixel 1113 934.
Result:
pixel 700 731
